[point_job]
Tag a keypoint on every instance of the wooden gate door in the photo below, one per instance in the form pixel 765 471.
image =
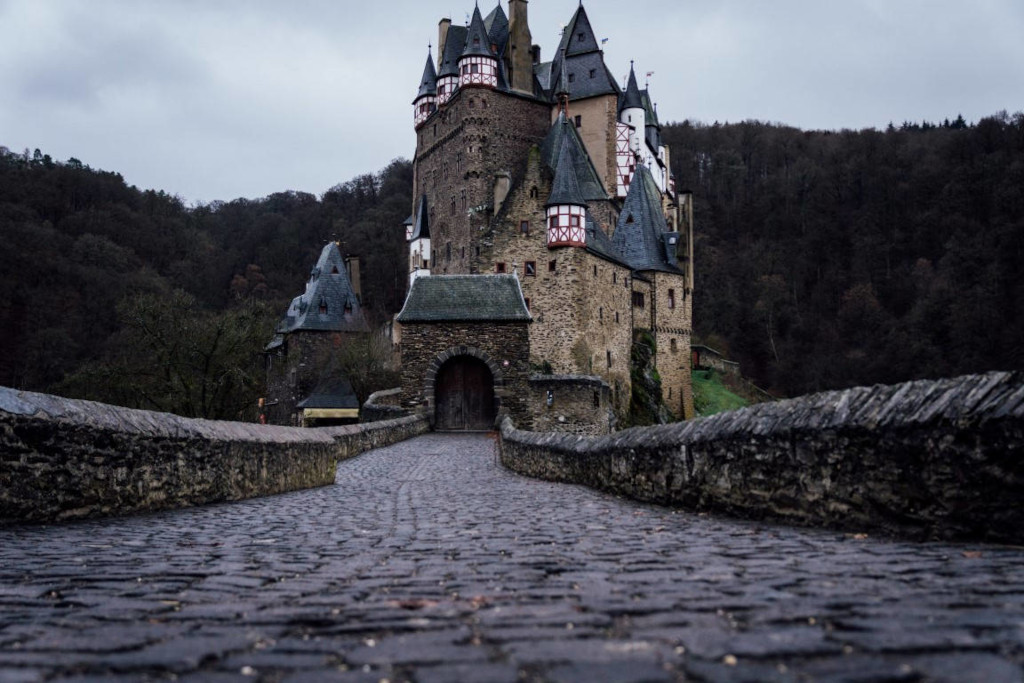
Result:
pixel 465 395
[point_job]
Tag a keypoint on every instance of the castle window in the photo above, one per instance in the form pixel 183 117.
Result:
pixel 579 121
pixel 533 193
pixel 572 78
pixel 629 218
pixel 608 357
pixel 597 399
pixel 323 306
pixel 615 278
pixel 463 256
pixel 478 252
pixel 616 316
pixel 595 271
pixel 671 298
pixel 581 37
pixel 472 103
pixel 474 68
pixel 552 265
pixel 672 345
pixel 600 314
pixel 499 267
pixel 593 72
pixel 524 227
pixel 448 251
pixel 334 270
pixel 670 392
pixel 638 299
pixel 426 264
pixel 531 268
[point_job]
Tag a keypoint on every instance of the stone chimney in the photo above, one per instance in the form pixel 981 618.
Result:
pixel 519 56
pixel 352 265
pixel 442 39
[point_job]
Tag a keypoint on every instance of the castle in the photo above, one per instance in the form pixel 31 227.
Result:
pixel 546 235
pixel 550 174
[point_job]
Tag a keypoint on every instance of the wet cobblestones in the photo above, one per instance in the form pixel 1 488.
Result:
pixel 428 562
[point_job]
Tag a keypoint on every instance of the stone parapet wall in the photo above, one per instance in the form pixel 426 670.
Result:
pixel 928 459
pixel 383 405
pixel 580 404
pixel 66 459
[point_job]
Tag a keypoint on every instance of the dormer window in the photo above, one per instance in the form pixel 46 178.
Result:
pixel 334 270
pixel 581 37
pixel 323 306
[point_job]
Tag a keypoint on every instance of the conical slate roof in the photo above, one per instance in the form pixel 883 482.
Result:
pixel 565 189
pixel 329 303
pixel 421 228
pixel 428 84
pixel 641 231
pixel 496 24
pixel 478 42
pixel 578 37
pixel 631 98
pixel 551 150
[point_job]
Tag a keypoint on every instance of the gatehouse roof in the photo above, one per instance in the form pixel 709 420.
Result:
pixel 455 298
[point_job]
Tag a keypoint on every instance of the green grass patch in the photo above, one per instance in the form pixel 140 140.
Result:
pixel 710 396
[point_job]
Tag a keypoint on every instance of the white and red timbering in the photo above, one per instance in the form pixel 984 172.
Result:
pixel 567 225
pixel 478 71
pixel 422 109
pixel 446 87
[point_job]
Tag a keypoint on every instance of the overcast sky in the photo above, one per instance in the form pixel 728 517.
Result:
pixel 217 99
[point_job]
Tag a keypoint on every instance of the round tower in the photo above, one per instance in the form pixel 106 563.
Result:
pixel 478 65
pixel 632 112
pixel 425 103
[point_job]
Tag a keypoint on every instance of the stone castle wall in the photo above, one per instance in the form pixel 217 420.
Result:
pixel 295 368
pixel 579 404
pixel 65 459
pixel 672 332
pixel 930 459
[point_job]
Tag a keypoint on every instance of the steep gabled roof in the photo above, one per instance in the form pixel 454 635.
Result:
pixel 651 114
pixel 581 84
pixel 478 298
pixel 478 41
pixel 640 233
pixel 578 37
pixel 565 188
pixel 421 228
pixel 334 393
pixel 328 288
pixel 496 24
pixel 599 244
pixel 454 45
pixel 552 148
pixel 428 83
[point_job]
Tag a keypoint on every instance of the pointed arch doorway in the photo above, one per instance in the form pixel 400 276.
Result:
pixel 464 395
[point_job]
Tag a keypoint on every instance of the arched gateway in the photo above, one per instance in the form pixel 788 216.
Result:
pixel 464 395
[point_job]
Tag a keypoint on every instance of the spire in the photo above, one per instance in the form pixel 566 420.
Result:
pixel 562 93
pixel 478 42
pixel 428 84
pixel 565 189
pixel 631 99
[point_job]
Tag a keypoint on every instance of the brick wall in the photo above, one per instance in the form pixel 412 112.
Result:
pixel 67 459
pixel 929 459
pixel 504 346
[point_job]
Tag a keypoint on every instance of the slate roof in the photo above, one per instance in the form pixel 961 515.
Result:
pixel 428 84
pixel 421 228
pixel 478 41
pixel 552 148
pixel 631 98
pixel 331 393
pixel 496 24
pixel 448 298
pixel 580 84
pixel 599 244
pixel 571 42
pixel 565 188
pixel 454 45
pixel 641 233
pixel 328 286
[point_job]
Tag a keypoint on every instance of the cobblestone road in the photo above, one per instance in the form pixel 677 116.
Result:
pixel 428 562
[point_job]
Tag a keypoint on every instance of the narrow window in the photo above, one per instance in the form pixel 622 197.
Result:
pixel 478 252
pixel 474 68
pixel 551 266
pixel 572 78
pixel 608 356
pixel 615 278
pixel 531 268
pixel 472 103
pixel 533 193
pixel 579 121
pixel 616 316
pixel 595 271
pixel 581 37
pixel 524 227
pixel 463 255
pixel 671 298
pixel 593 72
pixel 670 392
pixel 672 344
pixel 600 313
pixel 499 267
pixel 597 399
pixel 448 252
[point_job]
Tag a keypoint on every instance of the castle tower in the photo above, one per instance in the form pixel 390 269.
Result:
pixel 449 50
pixel 566 207
pixel 519 53
pixel 632 112
pixel 478 65
pixel 425 103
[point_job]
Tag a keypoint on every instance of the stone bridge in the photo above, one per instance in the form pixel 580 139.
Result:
pixel 429 561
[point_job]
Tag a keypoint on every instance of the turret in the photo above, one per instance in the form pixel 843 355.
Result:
pixel 453 40
pixel 632 112
pixel 425 103
pixel 566 207
pixel 419 242
pixel 478 65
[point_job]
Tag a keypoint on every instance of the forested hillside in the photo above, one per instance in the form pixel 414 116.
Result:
pixel 831 259
pixel 98 278
pixel 823 260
